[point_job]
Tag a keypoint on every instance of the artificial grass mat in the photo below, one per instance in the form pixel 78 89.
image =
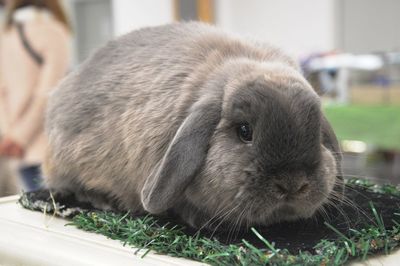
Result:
pixel 371 224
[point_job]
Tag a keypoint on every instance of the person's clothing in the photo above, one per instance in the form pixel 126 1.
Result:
pixel 24 84
pixel 31 177
pixel 27 44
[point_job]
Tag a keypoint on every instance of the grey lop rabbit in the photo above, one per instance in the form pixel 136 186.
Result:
pixel 189 119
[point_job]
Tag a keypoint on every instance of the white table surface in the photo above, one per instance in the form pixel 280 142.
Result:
pixel 32 238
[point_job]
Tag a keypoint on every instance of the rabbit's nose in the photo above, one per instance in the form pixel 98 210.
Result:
pixel 292 189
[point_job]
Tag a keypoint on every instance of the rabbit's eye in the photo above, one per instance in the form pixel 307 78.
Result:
pixel 245 132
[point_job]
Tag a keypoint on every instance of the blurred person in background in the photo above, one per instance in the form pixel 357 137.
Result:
pixel 34 56
pixel 8 184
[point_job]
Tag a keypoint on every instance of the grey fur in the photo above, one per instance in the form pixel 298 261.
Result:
pixel 150 120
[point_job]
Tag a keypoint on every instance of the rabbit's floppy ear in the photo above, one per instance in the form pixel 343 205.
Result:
pixel 184 157
pixel 330 141
pixel 329 138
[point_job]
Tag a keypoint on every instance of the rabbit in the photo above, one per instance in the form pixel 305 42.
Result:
pixel 188 119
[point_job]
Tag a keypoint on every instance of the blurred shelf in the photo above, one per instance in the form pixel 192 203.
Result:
pixel 373 95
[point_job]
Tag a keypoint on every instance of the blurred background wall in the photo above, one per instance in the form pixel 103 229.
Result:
pixel 96 21
pixel 300 27
pixel 128 14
